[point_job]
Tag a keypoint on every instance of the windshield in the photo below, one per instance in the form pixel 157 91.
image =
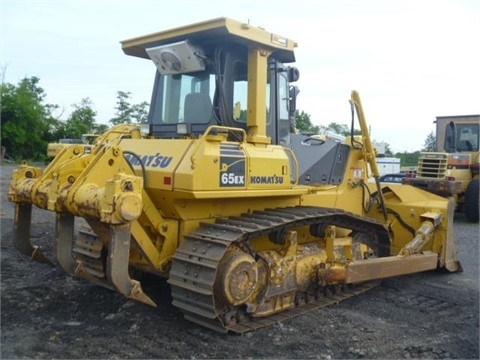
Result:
pixel 187 98
pixel 89 139
pixel 466 138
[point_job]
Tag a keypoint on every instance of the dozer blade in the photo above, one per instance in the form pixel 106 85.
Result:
pixel 21 234
pixel 451 262
pixel 117 265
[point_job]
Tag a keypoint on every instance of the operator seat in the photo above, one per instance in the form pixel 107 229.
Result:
pixel 198 108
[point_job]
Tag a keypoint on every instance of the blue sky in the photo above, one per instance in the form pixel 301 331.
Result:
pixel 410 60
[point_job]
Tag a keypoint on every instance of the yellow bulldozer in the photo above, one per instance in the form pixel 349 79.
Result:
pixel 249 221
pixel 55 147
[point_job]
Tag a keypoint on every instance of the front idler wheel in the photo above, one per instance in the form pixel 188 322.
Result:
pixel 238 277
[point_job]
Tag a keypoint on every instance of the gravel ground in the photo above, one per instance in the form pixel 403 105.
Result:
pixel 47 314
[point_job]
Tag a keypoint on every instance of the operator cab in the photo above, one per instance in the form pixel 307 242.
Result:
pixel 202 79
pixel 187 103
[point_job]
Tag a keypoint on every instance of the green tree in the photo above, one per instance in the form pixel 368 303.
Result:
pixel 139 112
pixel 26 120
pixel 81 120
pixel 408 159
pixel 126 112
pixel 123 109
pixel 304 124
pixel 430 143
pixel 100 128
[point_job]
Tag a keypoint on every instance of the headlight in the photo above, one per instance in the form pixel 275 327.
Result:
pixel 183 129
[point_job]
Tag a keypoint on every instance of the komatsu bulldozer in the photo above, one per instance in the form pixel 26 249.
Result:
pixel 249 221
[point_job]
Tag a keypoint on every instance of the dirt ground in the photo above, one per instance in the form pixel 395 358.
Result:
pixel 47 314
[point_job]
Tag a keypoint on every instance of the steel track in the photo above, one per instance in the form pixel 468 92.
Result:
pixel 194 266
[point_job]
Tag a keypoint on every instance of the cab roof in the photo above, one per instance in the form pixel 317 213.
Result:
pixel 210 33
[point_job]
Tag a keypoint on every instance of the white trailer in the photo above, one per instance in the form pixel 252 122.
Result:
pixel 388 165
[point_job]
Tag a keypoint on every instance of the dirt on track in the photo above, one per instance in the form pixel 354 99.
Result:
pixel 47 314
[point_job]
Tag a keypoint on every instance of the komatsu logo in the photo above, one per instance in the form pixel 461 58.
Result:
pixel 274 179
pixel 156 161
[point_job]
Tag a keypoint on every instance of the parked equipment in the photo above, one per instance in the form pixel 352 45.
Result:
pixel 453 171
pixel 53 149
pixel 250 222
